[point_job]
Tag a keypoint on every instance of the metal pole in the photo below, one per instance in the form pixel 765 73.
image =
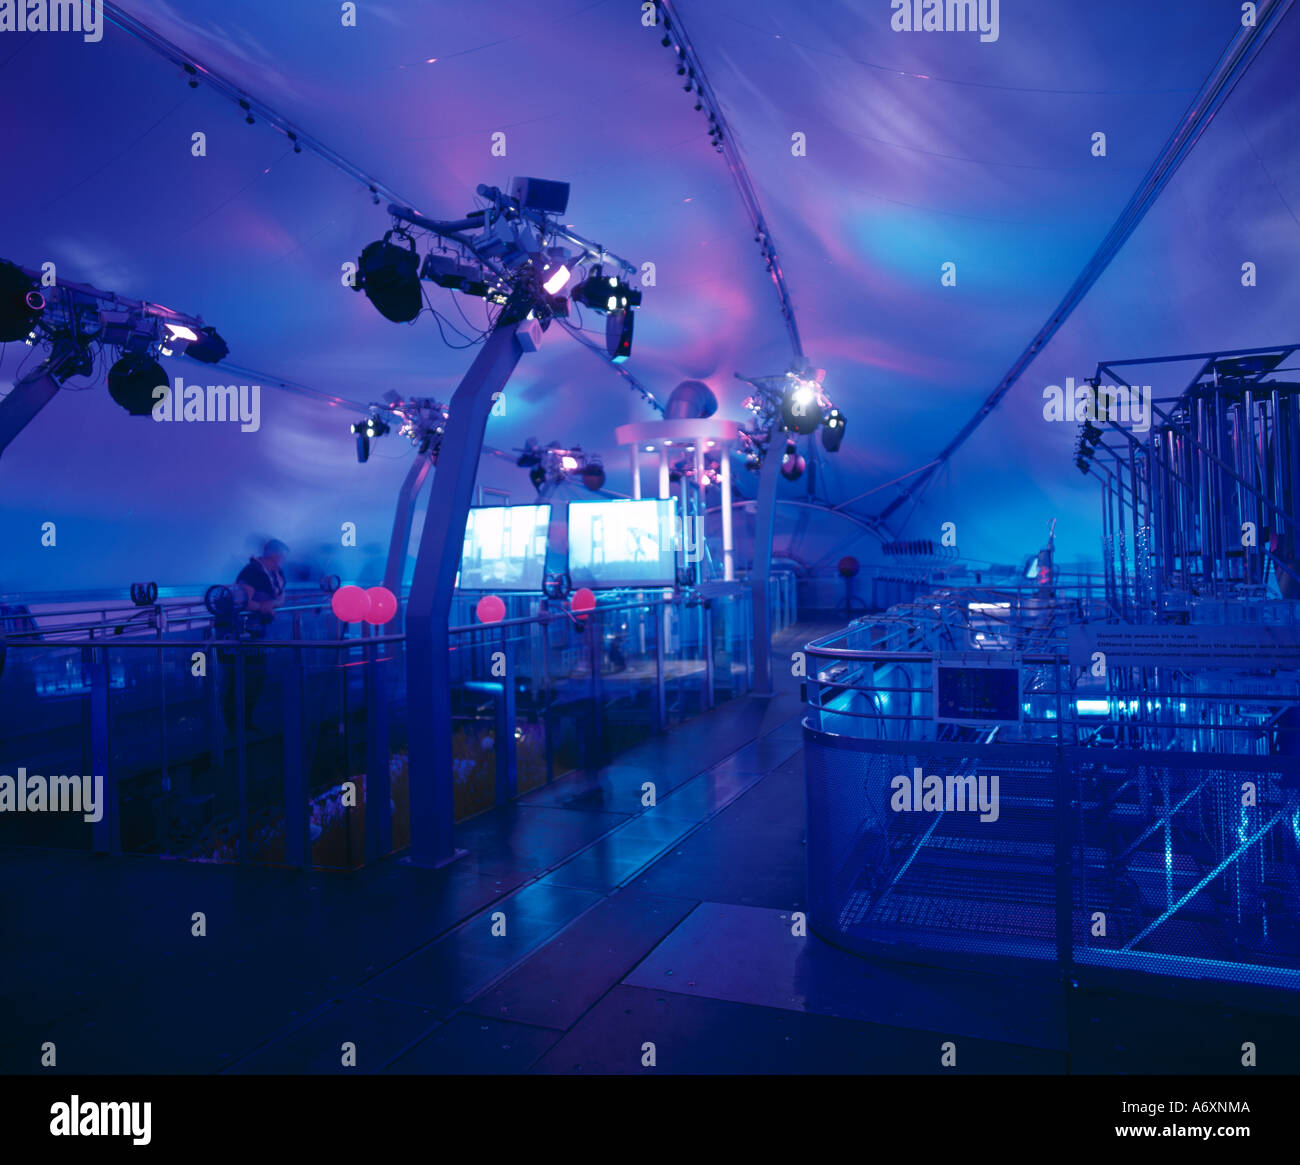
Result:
pixel 764 530
pixel 428 666
pixel 400 539
pixel 728 545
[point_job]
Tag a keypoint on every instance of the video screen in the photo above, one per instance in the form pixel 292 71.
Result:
pixel 623 543
pixel 505 548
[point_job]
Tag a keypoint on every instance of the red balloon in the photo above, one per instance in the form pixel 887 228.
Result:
pixel 383 605
pixel 490 609
pixel 584 600
pixel 351 604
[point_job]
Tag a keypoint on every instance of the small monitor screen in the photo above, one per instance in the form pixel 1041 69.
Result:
pixel 623 543
pixel 505 548
pixel 980 695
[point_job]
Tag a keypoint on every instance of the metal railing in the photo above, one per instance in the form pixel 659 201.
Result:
pixel 265 750
pixel 1148 820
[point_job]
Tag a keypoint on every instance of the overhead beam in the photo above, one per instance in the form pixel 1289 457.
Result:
pixel 1232 65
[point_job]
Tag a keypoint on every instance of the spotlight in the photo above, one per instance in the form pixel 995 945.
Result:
pixel 20 303
pixel 833 430
pixel 568 463
pixel 792 465
pixel 593 476
pixel 389 275
pixel 131 382
pixel 372 428
pixel 529 455
pixel 799 410
pixel 618 335
pixel 208 347
pixel 537 475
pixel 555 277
pixel 606 293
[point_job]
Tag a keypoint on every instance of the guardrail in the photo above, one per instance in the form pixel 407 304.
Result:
pixel 264 751
pixel 1148 821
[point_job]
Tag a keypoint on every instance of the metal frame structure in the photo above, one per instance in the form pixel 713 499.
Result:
pixel 1203 507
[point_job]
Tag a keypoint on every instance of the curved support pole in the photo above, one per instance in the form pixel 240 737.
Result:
pixel 428 609
pixel 19 407
pixel 402 519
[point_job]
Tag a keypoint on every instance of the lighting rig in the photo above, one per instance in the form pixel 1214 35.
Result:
pixel 552 466
pixel 421 421
pixel 796 405
pixel 512 249
pixel 72 323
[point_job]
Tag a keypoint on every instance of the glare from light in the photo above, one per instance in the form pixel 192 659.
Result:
pixel 181 332
pixel 569 462
pixel 557 281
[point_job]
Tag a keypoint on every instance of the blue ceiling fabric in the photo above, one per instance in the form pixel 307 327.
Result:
pixel 916 150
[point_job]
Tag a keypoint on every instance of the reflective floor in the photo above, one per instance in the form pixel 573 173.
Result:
pixel 582 926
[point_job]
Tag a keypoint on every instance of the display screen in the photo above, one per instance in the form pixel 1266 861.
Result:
pixel 988 695
pixel 623 543
pixel 505 548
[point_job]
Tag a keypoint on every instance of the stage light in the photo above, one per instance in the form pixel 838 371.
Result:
pixel 799 408
pixel 529 455
pixel 618 335
pixel 833 431
pixel 792 465
pixel 606 293
pixel 365 431
pixel 593 476
pixel 569 463
pixel 180 332
pixel 389 275
pixel 555 277
pixel 20 303
pixel 208 347
pixel 537 475
pixel 131 382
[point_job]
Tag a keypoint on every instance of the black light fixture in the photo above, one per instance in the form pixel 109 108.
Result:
pixel 389 275
pixel 372 428
pixel 618 335
pixel 537 475
pixel 792 464
pixel 21 303
pixel 593 475
pixel 833 430
pixel 210 348
pixel 800 410
pixel 606 293
pixel 132 380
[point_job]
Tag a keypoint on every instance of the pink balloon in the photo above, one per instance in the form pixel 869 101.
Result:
pixel 490 609
pixel 351 604
pixel 584 600
pixel 383 605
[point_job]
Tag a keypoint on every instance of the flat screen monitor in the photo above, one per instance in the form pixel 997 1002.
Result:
pixel 976 695
pixel 623 543
pixel 505 548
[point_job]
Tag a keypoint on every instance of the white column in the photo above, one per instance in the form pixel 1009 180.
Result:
pixel 636 470
pixel 663 472
pixel 728 552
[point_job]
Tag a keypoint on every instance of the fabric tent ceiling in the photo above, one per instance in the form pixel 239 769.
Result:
pixel 922 149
